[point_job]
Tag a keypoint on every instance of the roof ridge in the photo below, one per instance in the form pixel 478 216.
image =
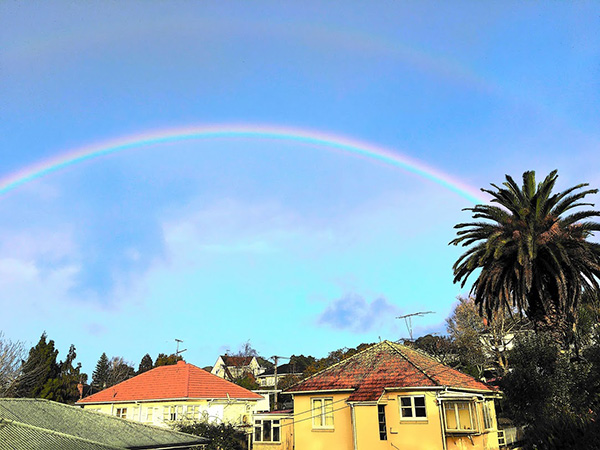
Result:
pixel 395 345
pixel 189 375
pixel 336 364
pixel 58 433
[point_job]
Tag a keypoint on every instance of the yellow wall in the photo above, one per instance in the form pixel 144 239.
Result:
pixel 232 412
pixel 287 436
pixel 307 438
pixel 406 434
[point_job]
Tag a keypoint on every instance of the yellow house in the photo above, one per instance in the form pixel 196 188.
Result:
pixel 177 392
pixel 390 396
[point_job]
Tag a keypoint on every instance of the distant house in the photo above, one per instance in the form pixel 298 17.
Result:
pixel 176 392
pixel 233 367
pixel 27 424
pixel 267 378
pixel 393 396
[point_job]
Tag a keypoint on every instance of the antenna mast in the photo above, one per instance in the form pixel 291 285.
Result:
pixel 178 352
pixel 408 320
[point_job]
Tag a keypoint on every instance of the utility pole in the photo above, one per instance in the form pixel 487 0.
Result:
pixel 276 359
pixel 408 320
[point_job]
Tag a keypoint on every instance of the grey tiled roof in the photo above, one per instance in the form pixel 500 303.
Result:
pixel 46 421
pixel 19 436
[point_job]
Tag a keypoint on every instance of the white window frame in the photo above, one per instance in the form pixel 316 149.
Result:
pixel 259 425
pixel 149 414
pixel 322 412
pixel 413 408
pixel 121 412
pixel 472 416
pixel 486 409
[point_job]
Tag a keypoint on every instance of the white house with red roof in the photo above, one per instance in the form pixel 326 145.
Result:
pixel 232 367
pixel 176 392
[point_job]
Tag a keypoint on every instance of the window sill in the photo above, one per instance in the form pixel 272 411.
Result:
pixel 326 430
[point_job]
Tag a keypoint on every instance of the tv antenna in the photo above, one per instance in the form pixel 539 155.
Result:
pixel 408 320
pixel 178 352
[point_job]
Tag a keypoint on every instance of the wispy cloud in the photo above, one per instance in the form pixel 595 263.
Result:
pixel 354 313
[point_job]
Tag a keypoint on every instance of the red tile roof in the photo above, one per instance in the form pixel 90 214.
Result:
pixel 386 365
pixel 177 381
pixel 237 361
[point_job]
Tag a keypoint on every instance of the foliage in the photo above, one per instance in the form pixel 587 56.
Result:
pixel 442 348
pixel 222 436
pixel 532 256
pixel 39 367
pixel 100 374
pixel 11 356
pixel 333 358
pixel 247 381
pixel 167 360
pixel 246 349
pixel 63 388
pixel 145 364
pixel 481 344
pixel 556 398
pixel 119 371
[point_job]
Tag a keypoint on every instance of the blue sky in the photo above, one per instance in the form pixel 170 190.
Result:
pixel 291 245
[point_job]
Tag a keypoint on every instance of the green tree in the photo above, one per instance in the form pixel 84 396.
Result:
pixel 167 360
pixel 442 348
pixel 100 374
pixel 39 367
pixel 145 364
pixel 532 257
pixel 63 387
pixel 554 397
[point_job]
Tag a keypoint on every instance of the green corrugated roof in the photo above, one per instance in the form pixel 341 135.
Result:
pixel 19 436
pixel 50 420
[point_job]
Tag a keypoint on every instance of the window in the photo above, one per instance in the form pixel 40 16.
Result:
pixel 459 416
pixel 122 413
pixel 381 420
pixel 267 430
pixel 413 407
pixel 149 415
pixel 488 423
pixel 322 412
pixel 172 412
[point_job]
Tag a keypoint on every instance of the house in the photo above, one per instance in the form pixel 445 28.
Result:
pixel 273 430
pixel 393 396
pixel 267 378
pixel 176 392
pixel 32 423
pixel 233 367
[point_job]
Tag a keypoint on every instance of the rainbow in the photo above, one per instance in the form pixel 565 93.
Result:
pixel 303 136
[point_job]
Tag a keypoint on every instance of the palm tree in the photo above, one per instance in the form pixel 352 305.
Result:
pixel 533 258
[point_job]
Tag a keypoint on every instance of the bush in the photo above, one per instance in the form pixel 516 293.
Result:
pixel 552 395
pixel 222 436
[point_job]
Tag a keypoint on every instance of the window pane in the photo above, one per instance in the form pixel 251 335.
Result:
pixel 450 416
pixel 257 433
pixel 266 430
pixel 464 416
pixel 328 412
pixel 407 412
pixel 419 401
pixel 405 401
pixel 276 434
